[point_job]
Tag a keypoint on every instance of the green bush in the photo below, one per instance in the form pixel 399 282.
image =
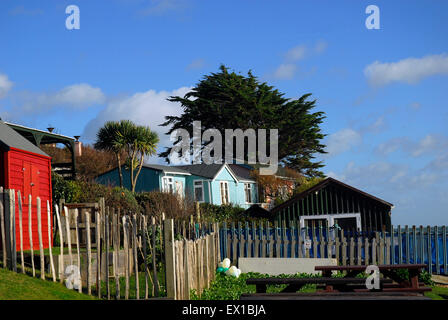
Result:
pixel 231 288
pixel 81 191
pixel 155 202
pixel 221 213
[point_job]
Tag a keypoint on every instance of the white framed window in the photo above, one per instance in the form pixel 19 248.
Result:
pixel 248 192
pixel 167 184
pixel 198 191
pixel 224 186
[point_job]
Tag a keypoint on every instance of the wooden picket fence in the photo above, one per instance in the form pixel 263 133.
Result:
pixel 192 262
pixel 426 245
pixel 98 242
pixel 104 247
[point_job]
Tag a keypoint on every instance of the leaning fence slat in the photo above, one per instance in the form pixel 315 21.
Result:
pixel 154 262
pixel 69 236
pixel 11 206
pixel 2 226
pixel 61 243
pixel 145 255
pixel 116 252
pixel 41 246
pixel 445 253
pixel 126 250
pixel 135 244
pixel 53 272
pixel 77 250
pixel 22 260
pixel 106 262
pixel 98 252
pixel 89 254
pixel 30 232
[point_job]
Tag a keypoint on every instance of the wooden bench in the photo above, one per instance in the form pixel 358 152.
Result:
pixel 375 295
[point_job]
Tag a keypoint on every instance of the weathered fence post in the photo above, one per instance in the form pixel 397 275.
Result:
pixel 30 232
pixel 169 258
pixel 89 253
pixel 53 272
pixel 77 250
pixel 2 226
pixel 22 260
pixel 41 246
pixel 61 243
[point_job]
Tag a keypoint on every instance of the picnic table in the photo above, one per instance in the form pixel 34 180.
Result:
pixel 388 271
pixel 347 287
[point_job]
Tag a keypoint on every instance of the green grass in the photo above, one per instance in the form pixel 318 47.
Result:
pixel 132 287
pixel 438 293
pixel 16 286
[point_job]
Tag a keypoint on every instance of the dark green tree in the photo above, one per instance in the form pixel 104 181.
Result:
pixel 227 100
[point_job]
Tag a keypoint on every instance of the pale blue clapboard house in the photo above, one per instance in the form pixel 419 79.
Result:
pixel 215 183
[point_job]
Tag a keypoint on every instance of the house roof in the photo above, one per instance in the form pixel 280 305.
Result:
pixel 166 169
pixel 241 172
pixel 203 170
pixel 322 185
pixel 9 138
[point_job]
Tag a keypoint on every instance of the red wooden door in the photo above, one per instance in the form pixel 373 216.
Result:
pixel 30 180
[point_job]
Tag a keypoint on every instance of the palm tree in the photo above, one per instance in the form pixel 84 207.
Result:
pixel 111 138
pixel 141 142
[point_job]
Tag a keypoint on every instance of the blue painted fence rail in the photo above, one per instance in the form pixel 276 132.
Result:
pixel 406 244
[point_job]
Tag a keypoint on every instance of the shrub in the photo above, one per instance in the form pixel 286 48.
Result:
pixel 226 212
pixel 230 288
pixel 81 191
pixel 155 202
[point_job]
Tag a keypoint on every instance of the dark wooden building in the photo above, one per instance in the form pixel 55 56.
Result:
pixel 333 202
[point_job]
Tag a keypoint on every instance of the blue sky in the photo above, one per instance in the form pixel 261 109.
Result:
pixel 384 91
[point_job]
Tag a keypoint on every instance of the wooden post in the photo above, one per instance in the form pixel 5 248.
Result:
pixel 106 238
pixel 98 253
pixel 169 258
pixel 61 242
pixel 77 250
pixel 126 250
pixel 2 226
pixel 10 228
pixel 154 264
pixel 53 272
pixel 22 260
pixel 116 228
pixel 41 246
pixel 145 256
pixel 69 236
pixel 30 232
pixel 135 244
pixel 89 253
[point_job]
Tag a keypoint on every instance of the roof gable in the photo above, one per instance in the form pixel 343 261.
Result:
pixel 321 185
pixel 9 138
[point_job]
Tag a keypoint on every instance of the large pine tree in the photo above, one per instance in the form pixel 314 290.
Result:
pixel 226 100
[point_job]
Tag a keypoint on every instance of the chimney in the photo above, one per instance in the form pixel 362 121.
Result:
pixel 78 146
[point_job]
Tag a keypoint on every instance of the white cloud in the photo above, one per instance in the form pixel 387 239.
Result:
pixel 196 64
pixel 5 85
pixel 410 70
pixel 296 53
pixel 285 71
pixel 144 108
pixel 430 144
pixel 77 96
pixel 342 141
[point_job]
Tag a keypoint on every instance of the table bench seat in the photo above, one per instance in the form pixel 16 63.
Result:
pixel 336 296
